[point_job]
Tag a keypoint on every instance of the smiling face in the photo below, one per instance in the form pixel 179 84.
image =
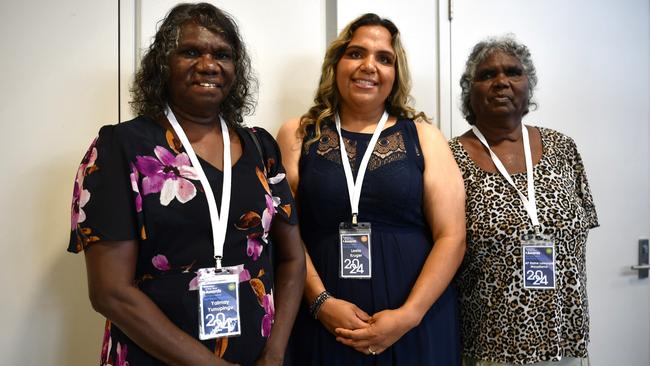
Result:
pixel 202 71
pixel 500 88
pixel 365 74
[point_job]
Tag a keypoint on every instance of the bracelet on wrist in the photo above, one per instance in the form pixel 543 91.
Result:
pixel 315 306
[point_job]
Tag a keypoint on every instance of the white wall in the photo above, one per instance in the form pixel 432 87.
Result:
pixel 593 65
pixel 59 84
pixel 418 25
pixel 286 42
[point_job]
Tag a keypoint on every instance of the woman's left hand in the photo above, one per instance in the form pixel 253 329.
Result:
pixel 386 328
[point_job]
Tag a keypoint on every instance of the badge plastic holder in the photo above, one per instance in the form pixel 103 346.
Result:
pixel 218 303
pixel 538 260
pixel 355 260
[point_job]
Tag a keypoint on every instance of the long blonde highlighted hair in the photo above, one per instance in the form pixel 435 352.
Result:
pixel 326 101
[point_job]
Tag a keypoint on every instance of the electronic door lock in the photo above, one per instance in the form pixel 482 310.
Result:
pixel 644 264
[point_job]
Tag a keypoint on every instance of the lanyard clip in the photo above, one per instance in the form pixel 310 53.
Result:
pixel 217 258
pixel 537 230
pixel 354 219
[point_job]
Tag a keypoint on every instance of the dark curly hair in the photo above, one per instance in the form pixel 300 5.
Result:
pixel 150 92
pixel 481 51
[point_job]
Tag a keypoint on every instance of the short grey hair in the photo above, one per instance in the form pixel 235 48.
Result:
pixel 481 51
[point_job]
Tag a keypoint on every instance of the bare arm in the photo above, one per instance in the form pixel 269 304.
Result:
pixel 111 270
pixel 289 282
pixel 334 312
pixel 444 207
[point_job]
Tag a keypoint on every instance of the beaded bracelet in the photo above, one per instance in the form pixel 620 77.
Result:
pixel 315 306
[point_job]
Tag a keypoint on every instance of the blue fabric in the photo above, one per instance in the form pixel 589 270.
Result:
pixel 391 201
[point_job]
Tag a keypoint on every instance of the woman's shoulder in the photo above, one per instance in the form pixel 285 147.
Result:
pixel 133 128
pixel 555 139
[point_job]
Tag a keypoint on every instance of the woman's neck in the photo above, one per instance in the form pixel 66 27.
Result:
pixel 195 124
pixel 499 131
pixel 359 121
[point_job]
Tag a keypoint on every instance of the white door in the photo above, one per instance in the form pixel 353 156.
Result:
pixel 592 59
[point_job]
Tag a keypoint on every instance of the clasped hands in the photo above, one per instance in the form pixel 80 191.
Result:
pixel 355 328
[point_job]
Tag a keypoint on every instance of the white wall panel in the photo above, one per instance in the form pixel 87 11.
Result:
pixel 286 41
pixel 59 85
pixel 417 21
pixel 592 60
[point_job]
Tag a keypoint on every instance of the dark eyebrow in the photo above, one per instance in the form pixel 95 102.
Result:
pixel 361 48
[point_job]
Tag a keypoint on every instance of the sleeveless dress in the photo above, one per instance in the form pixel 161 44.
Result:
pixel 391 200
pixel 136 182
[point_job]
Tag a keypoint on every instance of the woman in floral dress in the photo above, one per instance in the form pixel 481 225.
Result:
pixel 141 216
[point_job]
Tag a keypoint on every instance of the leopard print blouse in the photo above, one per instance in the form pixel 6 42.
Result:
pixel 500 320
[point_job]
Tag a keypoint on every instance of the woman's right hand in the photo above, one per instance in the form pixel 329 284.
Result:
pixel 337 313
pixel 111 273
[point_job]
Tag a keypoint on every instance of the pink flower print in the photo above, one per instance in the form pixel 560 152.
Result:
pixel 88 160
pixel 168 174
pixel 194 284
pixel 122 351
pixel 244 275
pixel 277 179
pixel 267 215
pixel 106 344
pixel 269 309
pixel 81 196
pixel 79 199
pixel 134 186
pixel 160 262
pixel 254 247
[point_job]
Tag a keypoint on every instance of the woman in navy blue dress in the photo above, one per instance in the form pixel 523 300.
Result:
pixel 412 196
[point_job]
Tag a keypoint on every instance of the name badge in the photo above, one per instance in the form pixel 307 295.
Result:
pixel 539 262
pixel 218 303
pixel 354 248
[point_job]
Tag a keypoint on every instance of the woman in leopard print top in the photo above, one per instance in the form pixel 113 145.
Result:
pixel 503 322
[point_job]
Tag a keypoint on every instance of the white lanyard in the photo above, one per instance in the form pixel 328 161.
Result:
pixel 529 204
pixel 218 222
pixel 354 187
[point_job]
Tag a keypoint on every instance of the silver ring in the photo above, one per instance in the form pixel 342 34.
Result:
pixel 371 351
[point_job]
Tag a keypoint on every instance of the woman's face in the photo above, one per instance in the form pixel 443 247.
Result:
pixel 500 88
pixel 366 72
pixel 202 70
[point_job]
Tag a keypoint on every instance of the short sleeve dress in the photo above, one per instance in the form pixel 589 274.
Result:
pixel 136 182
pixel 501 321
pixel 391 200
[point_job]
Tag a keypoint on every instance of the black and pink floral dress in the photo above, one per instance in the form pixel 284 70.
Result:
pixel 136 182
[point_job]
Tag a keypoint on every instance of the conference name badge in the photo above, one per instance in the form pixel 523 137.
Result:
pixel 354 248
pixel 218 303
pixel 538 261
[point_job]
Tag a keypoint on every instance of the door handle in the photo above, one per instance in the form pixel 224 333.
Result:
pixel 643 265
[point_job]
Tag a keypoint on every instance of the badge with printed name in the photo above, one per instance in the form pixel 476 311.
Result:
pixel 539 262
pixel 355 260
pixel 218 303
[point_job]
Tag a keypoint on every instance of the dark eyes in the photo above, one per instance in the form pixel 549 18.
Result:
pixel 354 54
pixel 217 55
pixel 514 71
pixel 189 53
pixel 510 72
pixel 384 59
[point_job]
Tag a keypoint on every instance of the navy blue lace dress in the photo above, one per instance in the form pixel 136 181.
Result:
pixel 401 240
